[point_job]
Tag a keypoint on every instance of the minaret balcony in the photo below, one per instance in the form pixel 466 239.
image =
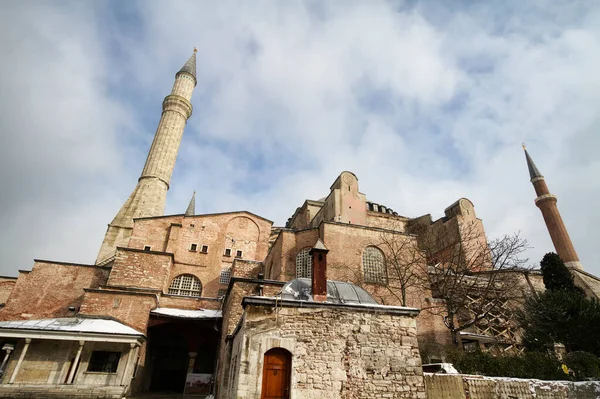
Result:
pixel 179 104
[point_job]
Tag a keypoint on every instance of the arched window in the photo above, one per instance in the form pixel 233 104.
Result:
pixel 186 285
pixel 304 264
pixel 374 266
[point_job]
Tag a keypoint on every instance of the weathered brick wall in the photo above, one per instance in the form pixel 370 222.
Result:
pixel 181 302
pixel 386 221
pixel 6 286
pixel 49 289
pixel 444 386
pixel 286 249
pixel 346 244
pixel 132 309
pixel 336 353
pixel 241 231
pixel 140 269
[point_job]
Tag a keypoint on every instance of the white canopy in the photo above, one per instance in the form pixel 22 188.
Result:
pixel 70 328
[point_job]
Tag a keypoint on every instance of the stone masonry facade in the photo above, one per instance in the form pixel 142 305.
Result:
pixel 336 352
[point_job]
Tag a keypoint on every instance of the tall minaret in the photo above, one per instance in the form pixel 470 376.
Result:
pixel 556 227
pixel 149 196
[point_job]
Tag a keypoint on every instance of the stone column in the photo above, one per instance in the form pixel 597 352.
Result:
pixel 13 377
pixel 75 363
pixel 130 365
pixel 9 349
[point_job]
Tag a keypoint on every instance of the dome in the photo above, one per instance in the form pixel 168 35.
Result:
pixel 300 289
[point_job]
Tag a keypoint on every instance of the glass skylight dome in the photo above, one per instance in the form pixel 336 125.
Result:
pixel 300 289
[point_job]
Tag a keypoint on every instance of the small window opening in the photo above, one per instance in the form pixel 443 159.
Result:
pixel 116 303
pixel 227 252
pixel 238 253
pixel 104 362
pixel 222 292
pixel 225 276
pixel 204 249
pixel 194 247
pixel 192 225
pixel 147 248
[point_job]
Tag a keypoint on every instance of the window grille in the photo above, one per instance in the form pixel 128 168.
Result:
pixel 225 276
pixel 374 266
pixel 104 362
pixel 304 264
pixel 222 292
pixel 186 285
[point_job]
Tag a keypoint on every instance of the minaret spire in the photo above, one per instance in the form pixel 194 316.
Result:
pixel 149 196
pixel 556 227
pixel 191 209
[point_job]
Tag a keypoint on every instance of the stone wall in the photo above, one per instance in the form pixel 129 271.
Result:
pixel 445 386
pixel 337 352
pixel 47 362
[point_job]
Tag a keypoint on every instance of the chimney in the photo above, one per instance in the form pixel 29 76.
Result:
pixel 319 271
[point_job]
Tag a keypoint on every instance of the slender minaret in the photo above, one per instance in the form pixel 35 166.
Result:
pixel 149 196
pixel 556 227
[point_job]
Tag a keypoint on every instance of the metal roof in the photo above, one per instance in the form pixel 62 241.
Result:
pixel 71 324
pixel 300 289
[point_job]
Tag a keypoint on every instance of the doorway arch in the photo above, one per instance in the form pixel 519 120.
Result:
pixel 277 373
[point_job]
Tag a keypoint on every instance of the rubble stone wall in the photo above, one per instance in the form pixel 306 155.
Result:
pixel 336 353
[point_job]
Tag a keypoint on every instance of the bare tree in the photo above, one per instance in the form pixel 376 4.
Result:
pixel 404 263
pixel 471 277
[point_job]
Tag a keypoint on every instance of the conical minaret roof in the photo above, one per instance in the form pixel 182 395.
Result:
pixel 191 209
pixel 190 65
pixel 533 170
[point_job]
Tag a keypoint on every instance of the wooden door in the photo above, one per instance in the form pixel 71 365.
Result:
pixel 276 374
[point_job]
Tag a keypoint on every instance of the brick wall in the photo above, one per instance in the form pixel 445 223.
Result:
pixel 49 289
pixel 6 286
pixel 132 309
pixel 140 269
pixel 237 231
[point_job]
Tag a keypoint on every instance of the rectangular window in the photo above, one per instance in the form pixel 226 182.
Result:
pixel 238 254
pixel 194 247
pixel 204 249
pixel 222 292
pixel 227 252
pixel 147 248
pixel 104 361
pixel 225 276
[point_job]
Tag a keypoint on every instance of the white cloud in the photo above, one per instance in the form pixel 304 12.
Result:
pixel 425 105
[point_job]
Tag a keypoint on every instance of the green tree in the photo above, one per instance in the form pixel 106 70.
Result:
pixel 562 314
pixel 556 275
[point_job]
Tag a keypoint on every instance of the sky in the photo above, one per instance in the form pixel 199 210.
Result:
pixel 426 102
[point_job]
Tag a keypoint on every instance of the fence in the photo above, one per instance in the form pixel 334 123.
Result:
pixel 448 386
